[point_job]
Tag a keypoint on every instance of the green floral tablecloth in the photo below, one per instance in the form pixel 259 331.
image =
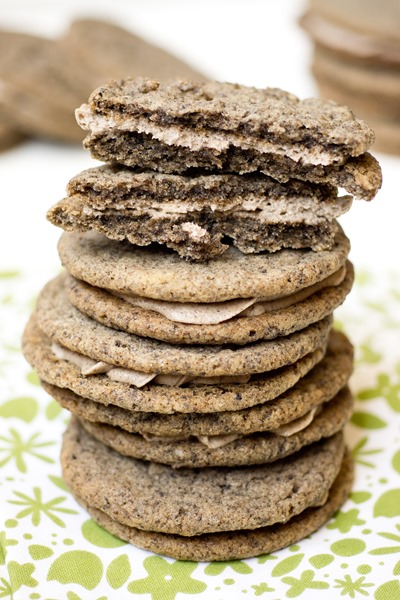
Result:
pixel 51 550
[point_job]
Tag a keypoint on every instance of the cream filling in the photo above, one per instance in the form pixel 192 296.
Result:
pixel 174 135
pixel 296 210
pixel 90 367
pixel 217 312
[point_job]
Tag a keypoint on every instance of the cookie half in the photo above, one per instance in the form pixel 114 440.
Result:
pixel 217 116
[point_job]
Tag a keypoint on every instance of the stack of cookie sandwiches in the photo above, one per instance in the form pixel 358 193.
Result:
pixel 357 60
pixel 191 333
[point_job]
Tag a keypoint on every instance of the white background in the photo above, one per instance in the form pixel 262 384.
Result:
pixel 246 41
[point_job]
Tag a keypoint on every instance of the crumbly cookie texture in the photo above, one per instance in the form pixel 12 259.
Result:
pixel 194 501
pixel 194 214
pixel 227 127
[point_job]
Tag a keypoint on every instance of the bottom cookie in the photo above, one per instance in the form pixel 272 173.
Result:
pixel 238 544
pixel 211 513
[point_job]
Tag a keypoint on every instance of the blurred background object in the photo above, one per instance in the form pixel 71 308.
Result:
pixel 43 80
pixel 356 60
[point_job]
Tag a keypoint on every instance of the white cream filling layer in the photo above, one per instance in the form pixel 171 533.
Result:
pixel 174 135
pixel 296 210
pixel 90 367
pixel 211 314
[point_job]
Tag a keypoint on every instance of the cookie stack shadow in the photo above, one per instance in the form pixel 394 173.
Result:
pixel 191 333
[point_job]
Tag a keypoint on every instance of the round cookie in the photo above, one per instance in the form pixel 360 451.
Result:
pixel 190 502
pixel 248 450
pixel 160 274
pixel 115 312
pixel 163 399
pixel 238 544
pixel 318 386
pixel 66 325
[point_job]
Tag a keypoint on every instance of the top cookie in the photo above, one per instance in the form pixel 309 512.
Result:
pixel 216 115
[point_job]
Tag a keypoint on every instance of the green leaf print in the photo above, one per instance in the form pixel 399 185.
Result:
pixel 350 587
pixel 261 589
pixel 53 410
pixel 319 561
pixel 15 448
pixel 77 566
pixel 39 552
pixel 344 521
pixel 216 568
pixel 360 497
pixel 396 462
pixel 348 547
pixel 4 542
pixel 388 549
pixel 118 571
pixel 33 378
pixel 306 582
pixel 21 575
pixel 368 354
pixel 388 504
pixel 358 453
pixel 388 591
pixel 9 274
pixel 167 579
pixel 24 408
pixel 287 565
pixel 35 507
pixel 384 388
pixel 59 482
pixel 98 536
